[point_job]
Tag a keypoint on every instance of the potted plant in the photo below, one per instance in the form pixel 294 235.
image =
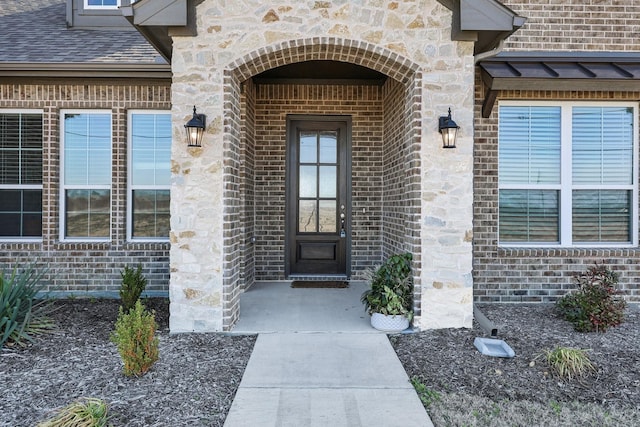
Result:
pixel 390 298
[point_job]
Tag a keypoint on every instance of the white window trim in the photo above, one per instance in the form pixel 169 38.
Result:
pixel 88 7
pixel 28 239
pixel 63 187
pixel 131 187
pixel 565 187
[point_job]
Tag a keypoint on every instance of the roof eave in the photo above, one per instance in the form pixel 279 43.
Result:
pixel 485 22
pixel 85 70
pixel 159 20
pixel 548 72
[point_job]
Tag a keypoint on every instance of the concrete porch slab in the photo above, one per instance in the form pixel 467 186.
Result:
pixel 269 307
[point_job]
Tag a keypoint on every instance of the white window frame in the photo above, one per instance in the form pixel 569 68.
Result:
pixel 25 186
pixel 101 7
pixel 131 187
pixel 63 187
pixel 566 186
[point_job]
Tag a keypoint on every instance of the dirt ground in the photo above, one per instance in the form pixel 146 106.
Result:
pixel 195 380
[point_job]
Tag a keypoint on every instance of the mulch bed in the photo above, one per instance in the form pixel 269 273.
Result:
pixel 196 378
pixel 447 361
pixel 193 383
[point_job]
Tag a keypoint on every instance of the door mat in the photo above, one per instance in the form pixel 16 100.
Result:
pixel 319 284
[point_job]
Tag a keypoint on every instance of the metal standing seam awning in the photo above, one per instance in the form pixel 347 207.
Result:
pixel 565 71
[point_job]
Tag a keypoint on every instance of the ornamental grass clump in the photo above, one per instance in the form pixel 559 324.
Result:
pixel 134 335
pixel 569 363
pixel 596 304
pixel 21 316
pixel 86 412
pixel 133 284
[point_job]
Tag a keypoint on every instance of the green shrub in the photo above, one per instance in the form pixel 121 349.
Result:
pixel 133 283
pixel 82 413
pixel 391 291
pixel 569 362
pixel 595 305
pixel 21 317
pixel 134 335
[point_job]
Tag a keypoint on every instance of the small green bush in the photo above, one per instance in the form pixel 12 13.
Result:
pixel 134 335
pixel 569 362
pixel 82 413
pixel 595 305
pixel 133 284
pixel 391 287
pixel 21 317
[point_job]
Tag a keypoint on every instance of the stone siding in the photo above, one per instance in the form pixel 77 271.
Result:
pixel 409 42
pixel 86 267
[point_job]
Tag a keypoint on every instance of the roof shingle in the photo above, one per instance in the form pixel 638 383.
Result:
pixel 35 31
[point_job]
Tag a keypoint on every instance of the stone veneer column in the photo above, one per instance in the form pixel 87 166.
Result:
pixel 447 212
pixel 447 199
pixel 241 32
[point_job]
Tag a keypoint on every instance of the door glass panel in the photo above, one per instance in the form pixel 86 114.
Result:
pixel 327 216
pixel 328 147
pixel 308 147
pixel 307 216
pixel 328 181
pixel 308 184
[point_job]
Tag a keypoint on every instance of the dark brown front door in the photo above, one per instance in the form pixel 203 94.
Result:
pixel 318 196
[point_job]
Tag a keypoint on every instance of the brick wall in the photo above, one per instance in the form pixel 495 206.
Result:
pixel 534 274
pixel 576 25
pixel 247 182
pixel 78 267
pixel 273 103
pixel 531 274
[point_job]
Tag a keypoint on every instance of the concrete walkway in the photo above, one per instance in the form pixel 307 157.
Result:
pixel 305 377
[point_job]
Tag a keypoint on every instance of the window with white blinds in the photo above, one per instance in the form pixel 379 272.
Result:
pixel 567 174
pixel 20 174
pixel 85 196
pixel 149 175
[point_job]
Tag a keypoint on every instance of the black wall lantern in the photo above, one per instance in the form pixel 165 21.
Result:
pixel 195 129
pixel 449 130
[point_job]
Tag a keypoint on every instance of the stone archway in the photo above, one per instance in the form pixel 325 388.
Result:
pixel 400 145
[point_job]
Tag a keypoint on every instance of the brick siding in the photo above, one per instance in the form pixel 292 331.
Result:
pixel 595 25
pixel 365 105
pixel 79 267
pixel 531 274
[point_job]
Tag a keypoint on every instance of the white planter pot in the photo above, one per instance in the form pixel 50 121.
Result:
pixel 389 323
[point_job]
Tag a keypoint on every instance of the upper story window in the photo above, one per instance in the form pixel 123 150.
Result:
pixel 149 175
pixel 20 174
pixel 101 4
pixel 568 174
pixel 85 194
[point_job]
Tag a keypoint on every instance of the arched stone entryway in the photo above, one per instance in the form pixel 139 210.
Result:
pixel 420 196
pixel 386 150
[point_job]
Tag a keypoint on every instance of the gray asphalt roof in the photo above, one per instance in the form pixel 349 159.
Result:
pixel 35 31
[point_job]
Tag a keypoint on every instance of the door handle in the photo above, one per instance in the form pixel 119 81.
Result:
pixel 343 233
